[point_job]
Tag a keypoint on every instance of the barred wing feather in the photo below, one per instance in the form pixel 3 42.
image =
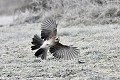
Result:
pixel 37 42
pixel 49 28
pixel 64 52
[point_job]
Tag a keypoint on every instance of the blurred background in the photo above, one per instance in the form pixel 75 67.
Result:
pixel 73 12
pixel 7 7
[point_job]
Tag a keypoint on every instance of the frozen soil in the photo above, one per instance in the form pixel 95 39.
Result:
pixel 99 57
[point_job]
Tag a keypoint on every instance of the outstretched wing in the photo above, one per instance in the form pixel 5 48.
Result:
pixel 64 52
pixel 37 42
pixel 48 28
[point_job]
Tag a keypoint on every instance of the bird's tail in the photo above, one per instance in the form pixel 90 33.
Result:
pixel 42 52
pixel 37 42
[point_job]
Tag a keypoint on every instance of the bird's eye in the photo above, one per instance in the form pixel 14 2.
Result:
pixel 57 39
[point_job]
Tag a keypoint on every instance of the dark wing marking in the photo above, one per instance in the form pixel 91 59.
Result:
pixel 37 42
pixel 63 51
pixel 48 28
pixel 42 52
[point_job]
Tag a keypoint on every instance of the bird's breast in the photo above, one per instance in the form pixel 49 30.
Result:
pixel 48 43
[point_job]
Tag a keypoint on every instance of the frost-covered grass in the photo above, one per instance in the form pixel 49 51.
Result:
pixel 73 12
pixel 99 50
pixel 80 23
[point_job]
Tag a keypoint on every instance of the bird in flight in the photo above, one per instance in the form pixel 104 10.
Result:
pixel 50 42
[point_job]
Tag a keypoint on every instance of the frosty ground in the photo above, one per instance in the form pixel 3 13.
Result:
pixel 99 57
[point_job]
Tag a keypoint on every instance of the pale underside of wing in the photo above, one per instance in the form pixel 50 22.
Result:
pixel 48 28
pixel 64 52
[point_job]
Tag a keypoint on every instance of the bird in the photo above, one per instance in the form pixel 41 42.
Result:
pixel 49 41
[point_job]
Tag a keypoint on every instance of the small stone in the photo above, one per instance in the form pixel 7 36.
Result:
pixel 80 62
